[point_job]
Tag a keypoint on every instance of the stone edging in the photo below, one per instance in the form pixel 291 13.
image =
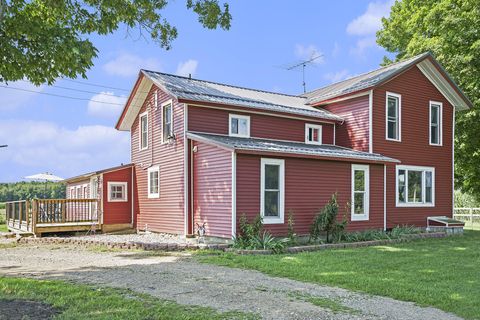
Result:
pixel 127 245
pixel 330 246
pixel 224 247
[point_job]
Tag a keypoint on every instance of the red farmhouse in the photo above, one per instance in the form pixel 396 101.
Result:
pixel 205 152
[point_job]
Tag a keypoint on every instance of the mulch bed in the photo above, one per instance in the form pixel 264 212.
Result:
pixel 25 310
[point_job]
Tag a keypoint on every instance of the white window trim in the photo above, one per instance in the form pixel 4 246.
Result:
pixel 440 123
pixel 163 105
pixel 153 195
pixel 230 116
pixel 414 168
pixel 281 209
pixel 313 126
pixel 366 215
pixel 124 185
pixel 396 95
pixel 140 130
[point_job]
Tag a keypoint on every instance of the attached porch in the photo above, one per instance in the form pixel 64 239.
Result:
pixel 39 216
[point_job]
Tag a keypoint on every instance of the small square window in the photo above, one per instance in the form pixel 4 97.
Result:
pixel 313 134
pixel 239 126
pixel 117 191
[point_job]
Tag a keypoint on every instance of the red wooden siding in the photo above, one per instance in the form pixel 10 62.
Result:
pixel 117 212
pixel 414 149
pixel 212 194
pixel 309 184
pixel 166 213
pixel 354 132
pixel 210 120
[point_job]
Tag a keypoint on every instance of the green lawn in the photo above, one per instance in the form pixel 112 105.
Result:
pixel 3 226
pixel 86 302
pixel 444 273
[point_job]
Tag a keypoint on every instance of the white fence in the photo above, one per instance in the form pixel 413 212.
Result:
pixel 470 216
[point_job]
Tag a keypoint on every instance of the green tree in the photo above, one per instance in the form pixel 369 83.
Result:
pixel 42 40
pixel 450 29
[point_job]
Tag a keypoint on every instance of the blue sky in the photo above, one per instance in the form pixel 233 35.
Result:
pixel 72 136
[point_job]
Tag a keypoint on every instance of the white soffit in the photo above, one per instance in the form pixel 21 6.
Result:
pixel 136 104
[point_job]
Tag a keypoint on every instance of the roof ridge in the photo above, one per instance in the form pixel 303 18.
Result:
pixel 367 72
pixel 226 85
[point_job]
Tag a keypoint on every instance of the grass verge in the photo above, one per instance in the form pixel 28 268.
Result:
pixel 3 225
pixel 87 302
pixel 443 273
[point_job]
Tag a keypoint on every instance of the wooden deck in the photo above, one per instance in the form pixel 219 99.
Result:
pixel 40 216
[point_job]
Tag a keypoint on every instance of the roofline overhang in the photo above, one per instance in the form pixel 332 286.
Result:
pixel 94 173
pixel 198 138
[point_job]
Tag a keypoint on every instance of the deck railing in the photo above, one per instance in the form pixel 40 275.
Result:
pixel 27 215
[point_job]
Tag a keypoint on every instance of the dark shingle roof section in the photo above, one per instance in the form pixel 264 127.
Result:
pixel 361 82
pixel 298 148
pixel 206 91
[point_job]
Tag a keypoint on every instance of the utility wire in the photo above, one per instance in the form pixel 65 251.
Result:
pixel 95 85
pixel 59 95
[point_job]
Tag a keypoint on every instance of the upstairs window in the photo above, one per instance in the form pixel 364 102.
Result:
pixel 393 116
pixel 360 192
pixel 435 123
pixel 313 134
pixel 167 121
pixel 272 190
pixel 415 186
pixel 143 131
pixel 154 182
pixel 117 191
pixel 239 126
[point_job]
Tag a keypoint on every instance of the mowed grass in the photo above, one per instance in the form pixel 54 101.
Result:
pixel 3 226
pixel 87 302
pixel 443 273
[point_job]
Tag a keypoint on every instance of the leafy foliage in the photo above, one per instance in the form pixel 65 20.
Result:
pixel 251 236
pixel 30 190
pixel 326 221
pixel 375 234
pixel 44 40
pixel 450 30
pixel 291 235
pixel 465 200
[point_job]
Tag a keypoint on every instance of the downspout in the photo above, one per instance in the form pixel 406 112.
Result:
pixel 132 196
pixel 384 197
pixel 234 193
pixel 370 121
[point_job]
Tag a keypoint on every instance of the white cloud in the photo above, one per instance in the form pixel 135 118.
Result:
pixel 337 76
pixel 36 146
pixel 362 45
pixel 307 52
pixel 12 98
pixel 106 105
pixel 336 50
pixel 127 65
pixel 187 68
pixel 370 21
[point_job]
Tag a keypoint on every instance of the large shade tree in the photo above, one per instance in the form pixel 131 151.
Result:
pixel 450 29
pixel 42 40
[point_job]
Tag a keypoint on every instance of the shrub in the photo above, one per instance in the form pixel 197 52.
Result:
pixel 291 235
pixel 326 221
pixel 375 234
pixel 251 236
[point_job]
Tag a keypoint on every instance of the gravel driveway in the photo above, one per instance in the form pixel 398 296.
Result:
pixel 182 279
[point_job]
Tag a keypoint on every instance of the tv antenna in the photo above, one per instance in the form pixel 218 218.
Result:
pixel 303 65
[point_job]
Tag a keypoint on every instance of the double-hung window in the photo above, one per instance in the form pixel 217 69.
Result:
pixel 435 123
pixel 167 112
pixel 117 191
pixel 154 182
pixel 393 116
pixel 143 131
pixel 239 126
pixel 272 190
pixel 360 192
pixel 313 134
pixel 415 186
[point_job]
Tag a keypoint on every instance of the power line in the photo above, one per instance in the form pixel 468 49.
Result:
pixel 80 90
pixel 59 95
pixel 95 85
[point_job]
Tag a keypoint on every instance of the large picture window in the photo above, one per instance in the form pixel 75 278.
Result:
pixel 393 116
pixel 143 130
pixel 415 186
pixel 239 126
pixel 272 190
pixel 154 182
pixel 360 192
pixel 117 191
pixel 435 123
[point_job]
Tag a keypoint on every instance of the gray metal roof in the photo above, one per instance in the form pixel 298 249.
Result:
pixel 362 81
pixel 298 148
pixel 206 91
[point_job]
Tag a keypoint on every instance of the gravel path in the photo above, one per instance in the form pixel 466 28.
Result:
pixel 182 279
pixel 134 237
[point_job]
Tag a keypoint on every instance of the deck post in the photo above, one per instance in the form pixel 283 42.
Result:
pixel 63 204
pixel 27 209
pixel 34 216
